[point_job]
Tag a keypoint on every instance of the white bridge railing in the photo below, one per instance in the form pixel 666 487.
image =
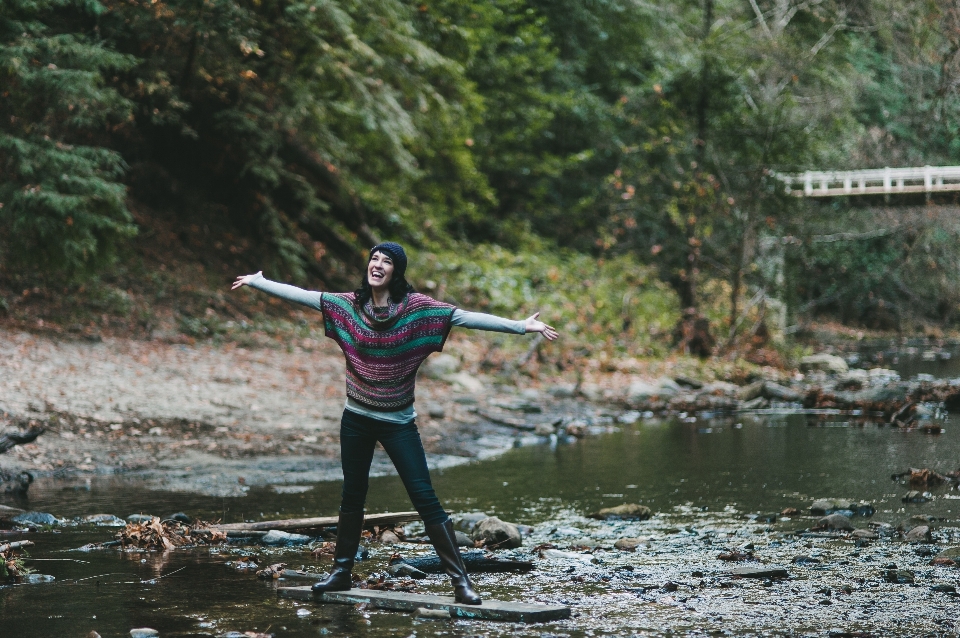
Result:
pixel 873 181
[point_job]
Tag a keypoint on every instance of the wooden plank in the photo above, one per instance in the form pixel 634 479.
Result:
pixel 320 522
pixel 402 601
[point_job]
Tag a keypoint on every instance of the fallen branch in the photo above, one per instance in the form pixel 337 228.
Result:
pixel 506 420
pixel 318 523
pixel 14 545
pixel 13 439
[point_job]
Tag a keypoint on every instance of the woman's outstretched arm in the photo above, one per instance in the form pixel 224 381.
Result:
pixel 308 298
pixel 482 321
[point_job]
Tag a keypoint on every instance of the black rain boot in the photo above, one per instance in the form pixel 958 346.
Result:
pixel 340 577
pixel 445 542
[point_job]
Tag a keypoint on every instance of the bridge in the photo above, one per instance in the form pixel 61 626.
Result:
pixel 872 181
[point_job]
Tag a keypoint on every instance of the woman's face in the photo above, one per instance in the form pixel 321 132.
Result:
pixel 379 270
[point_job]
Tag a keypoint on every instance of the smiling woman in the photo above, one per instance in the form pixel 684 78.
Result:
pixel 386 330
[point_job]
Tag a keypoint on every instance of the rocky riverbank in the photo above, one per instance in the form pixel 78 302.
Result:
pixel 217 420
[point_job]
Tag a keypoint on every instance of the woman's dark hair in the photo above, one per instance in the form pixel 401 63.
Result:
pixel 398 287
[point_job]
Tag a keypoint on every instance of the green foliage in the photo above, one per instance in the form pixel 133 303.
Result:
pixel 63 203
pixel 617 301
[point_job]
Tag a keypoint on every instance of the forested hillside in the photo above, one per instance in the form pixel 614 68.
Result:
pixel 618 157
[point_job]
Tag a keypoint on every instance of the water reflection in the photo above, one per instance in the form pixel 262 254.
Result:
pixel 756 464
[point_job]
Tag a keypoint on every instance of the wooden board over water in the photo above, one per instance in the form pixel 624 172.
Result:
pixel 321 522
pixel 402 601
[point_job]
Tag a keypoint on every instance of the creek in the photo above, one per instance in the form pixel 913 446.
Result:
pixel 704 479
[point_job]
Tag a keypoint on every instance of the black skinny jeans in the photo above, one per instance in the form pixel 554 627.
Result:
pixel 358 437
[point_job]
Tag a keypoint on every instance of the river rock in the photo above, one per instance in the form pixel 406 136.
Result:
pixel 104 520
pixel 914 496
pixel 389 538
pixel 779 392
pixel 140 518
pixel 465 381
pixel 899 576
pixel 824 362
pixel 863 535
pixel 405 570
pixel 441 365
pixel 944 588
pixel 35 518
pixel 436 411
pixel 144 632
pixel 629 544
pixel 625 512
pixel 278 537
pixel 497 534
pixel 468 521
pixel 767 571
pixel 36 579
pixel 462 539
pixel 952 553
pixel 751 391
pixel 919 534
pixel 179 517
pixel 835 522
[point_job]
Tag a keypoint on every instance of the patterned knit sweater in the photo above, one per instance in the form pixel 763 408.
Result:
pixel 383 356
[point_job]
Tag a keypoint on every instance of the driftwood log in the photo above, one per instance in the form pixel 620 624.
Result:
pixel 318 523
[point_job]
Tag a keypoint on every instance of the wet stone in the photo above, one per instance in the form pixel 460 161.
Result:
pixel 944 588
pixel 899 576
pixel 468 521
pixel 144 632
pixel 629 544
pixel 405 570
pixel 915 496
pixel 835 522
pixel 771 571
pixel 140 518
pixel 498 534
pixel 863 535
pixel 179 517
pixel 35 518
pixel 462 539
pixel 104 520
pixel 277 537
pixel 36 579
pixel 919 534
pixel 803 559
pixel 625 512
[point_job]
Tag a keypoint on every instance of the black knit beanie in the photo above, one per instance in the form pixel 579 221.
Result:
pixel 396 253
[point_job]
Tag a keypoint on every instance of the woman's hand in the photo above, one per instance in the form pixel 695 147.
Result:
pixel 532 324
pixel 244 280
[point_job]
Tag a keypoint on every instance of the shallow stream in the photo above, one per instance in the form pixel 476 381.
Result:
pixel 703 479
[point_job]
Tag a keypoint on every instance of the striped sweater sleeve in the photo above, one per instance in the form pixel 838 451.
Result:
pixel 481 321
pixel 308 298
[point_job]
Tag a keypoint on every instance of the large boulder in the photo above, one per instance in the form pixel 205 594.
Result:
pixel 498 534
pixel 825 363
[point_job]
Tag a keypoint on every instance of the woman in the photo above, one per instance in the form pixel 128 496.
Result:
pixel 386 330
